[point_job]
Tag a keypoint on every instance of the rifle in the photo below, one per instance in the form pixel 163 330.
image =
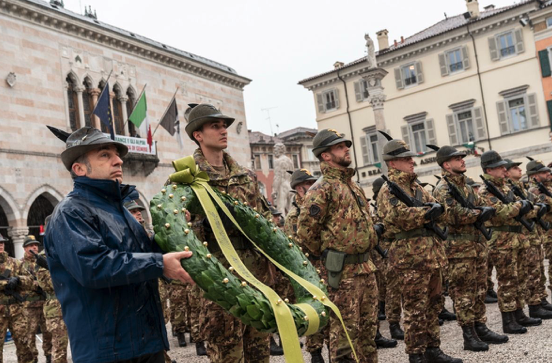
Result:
pixel 8 291
pixel 413 202
pixel 497 193
pixel 455 193
pixel 517 191
pixel 40 260
pixel 543 189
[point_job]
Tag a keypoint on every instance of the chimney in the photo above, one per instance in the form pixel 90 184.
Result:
pixel 473 8
pixel 338 64
pixel 383 39
pixel 402 39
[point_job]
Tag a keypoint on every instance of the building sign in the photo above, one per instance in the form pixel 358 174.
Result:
pixel 135 145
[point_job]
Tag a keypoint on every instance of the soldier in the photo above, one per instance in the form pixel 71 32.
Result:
pixel 34 301
pixel 388 285
pixel 335 224
pixel 229 341
pixel 466 250
pixel 13 281
pixel 505 243
pixel 416 254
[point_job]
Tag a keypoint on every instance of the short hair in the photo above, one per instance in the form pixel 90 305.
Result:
pixel 83 159
pixel 193 138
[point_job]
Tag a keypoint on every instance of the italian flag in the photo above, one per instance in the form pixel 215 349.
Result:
pixel 140 114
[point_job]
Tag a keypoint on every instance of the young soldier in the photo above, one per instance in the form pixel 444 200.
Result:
pixel 229 340
pixel 335 224
pixel 417 255
pixel 466 250
pixel 505 243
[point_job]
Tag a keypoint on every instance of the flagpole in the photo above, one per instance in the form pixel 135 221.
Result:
pixel 135 104
pixel 167 109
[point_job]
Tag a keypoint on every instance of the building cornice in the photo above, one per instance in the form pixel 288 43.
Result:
pixel 64 23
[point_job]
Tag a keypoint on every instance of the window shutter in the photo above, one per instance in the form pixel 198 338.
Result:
pixel 336 95
pixel 520 47
pixel 480 132
pixel 451 126
pixel 364 147
pixel 533 111
pixel 405 135
pixel 502 118
pixel 493 49
pixel 443 64
pixel 549 106
pixel 320 102
pixel 465 57
pixel 544 63
pixel 358 93
pixel 398 78
pixel 419 73
pixel 430 132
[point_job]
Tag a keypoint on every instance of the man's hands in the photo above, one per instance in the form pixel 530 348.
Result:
pixel 525 207
pixel 379 228
pixel 435 210
pixel 173 269
pixel 486 214
pixel 12 284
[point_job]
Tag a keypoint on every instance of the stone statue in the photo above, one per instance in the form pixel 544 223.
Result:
pixel 281 188
pixel 371 58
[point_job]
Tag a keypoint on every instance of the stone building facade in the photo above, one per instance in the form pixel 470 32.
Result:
pixel 53 66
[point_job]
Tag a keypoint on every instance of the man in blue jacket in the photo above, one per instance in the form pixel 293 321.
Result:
pixel 103 265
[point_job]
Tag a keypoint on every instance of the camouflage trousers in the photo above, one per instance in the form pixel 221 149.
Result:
pixel 230 341
pixel 548 255
pixel 179 307
pixel 522 278
pixel 490 283
pixel 535 284
pixel 381 267
pixel 506 264
pixel 356 299
pixel 422 303
pixel 316 341
pixel 56 326
pixel 13 317
pixel 194 309
pixel 467 288
pixel 35 316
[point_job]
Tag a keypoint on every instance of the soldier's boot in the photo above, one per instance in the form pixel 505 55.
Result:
pixel 472 341
pixel 381 311
pixel 316 356
pixel 510 325
pixel 491 297
pixel 441 322
pixel 436 355
pixel 49 358
pixel 546 305
pixel 275 349
pixel 446 315
pixel 416 358
pixel 489 336
pixel 396 331
pixel 537 311
pixel 383 342
pixel 524 320
pixel 181 339
pixel 492 293
pixel 200 349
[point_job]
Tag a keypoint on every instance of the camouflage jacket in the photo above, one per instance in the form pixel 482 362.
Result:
pixel 240 183
pixel 542 198
pixel 290 225
pixel 335 216
pixel 52 307
pixel 527 238
pixel 459 219
pixel 505 214
pixel 29 265
pixel 547 237
pixel 26 281
pixel 421 253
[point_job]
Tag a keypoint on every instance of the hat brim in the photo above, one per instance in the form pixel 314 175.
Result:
pixel 199 122
pixel 319 150
pixel 511 165
pixel 496 165
pixel 405 154
pixel 299 181
pixel 68 156
pixel 545 169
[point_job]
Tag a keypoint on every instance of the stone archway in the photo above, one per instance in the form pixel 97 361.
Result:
pixel 10 219
pixel 39 210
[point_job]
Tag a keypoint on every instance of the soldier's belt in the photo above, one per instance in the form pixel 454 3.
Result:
pixel 34 298
pixel 511 229
pixel 8 301
pixel 463 237
pixel 239 244
pixel 352 259
pixel 414 233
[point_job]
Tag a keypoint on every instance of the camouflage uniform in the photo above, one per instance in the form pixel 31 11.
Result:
pixel 34 309
pixel 13 312
pixel 229 341
pixel 466 251
pixel 547 246
pixel 177 293
pixel 335 216
pixel 418 261
pixel 194 309
pixel 54 319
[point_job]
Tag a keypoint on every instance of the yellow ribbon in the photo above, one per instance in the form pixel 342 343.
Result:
pixel 189 173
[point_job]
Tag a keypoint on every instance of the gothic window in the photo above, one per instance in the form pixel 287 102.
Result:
pixel 118 121
pixel 88 103
pixel 72 104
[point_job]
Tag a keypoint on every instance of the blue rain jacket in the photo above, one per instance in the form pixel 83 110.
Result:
pixel 105 274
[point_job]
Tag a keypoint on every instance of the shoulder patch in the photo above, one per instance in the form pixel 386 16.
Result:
pixel 542 197
pixel 448 201
pixel 394 201
pixel 314 210
pixel 494 199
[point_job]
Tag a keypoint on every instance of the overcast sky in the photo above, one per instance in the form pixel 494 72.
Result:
pixel 275 43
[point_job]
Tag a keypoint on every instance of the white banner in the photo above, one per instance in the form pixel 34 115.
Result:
pixel 135 145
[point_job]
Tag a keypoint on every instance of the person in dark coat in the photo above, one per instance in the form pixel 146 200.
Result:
pixel 104 266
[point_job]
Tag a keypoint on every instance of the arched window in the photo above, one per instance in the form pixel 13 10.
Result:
pixel 119 120
pixel 131 99
pixel 88 102
pixel 103 127
pixel 72 103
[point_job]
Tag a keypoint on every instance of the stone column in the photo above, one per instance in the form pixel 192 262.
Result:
pixel 95 92
pixel 111 97
pixel 65 96
pixel 18 235
pixel 123 101
pixel 376 97
pixel 80 105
